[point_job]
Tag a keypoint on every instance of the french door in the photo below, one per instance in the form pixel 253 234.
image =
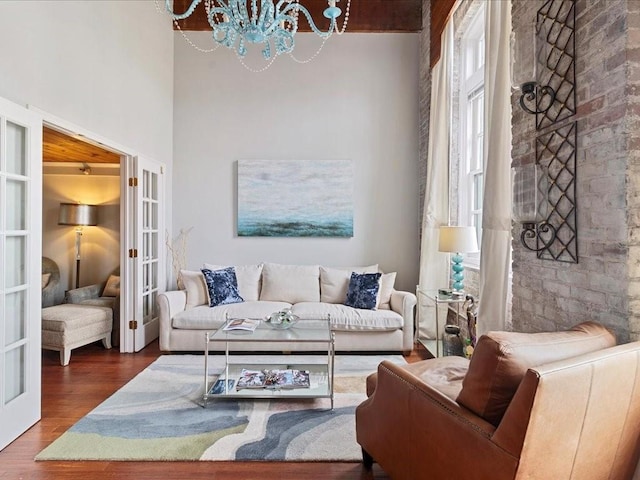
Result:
pixel 20 269
pixel 148 254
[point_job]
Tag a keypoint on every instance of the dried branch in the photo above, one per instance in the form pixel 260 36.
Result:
pixel 178 250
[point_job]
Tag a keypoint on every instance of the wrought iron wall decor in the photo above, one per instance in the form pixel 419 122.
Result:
pixel 555 27
pixel 556 152
pixel 553 234
pixel 551 95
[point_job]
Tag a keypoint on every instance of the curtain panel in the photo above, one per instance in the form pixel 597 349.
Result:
pixel 434 272
pixel 495 258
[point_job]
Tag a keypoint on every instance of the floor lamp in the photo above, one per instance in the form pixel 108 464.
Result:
pixel 78 215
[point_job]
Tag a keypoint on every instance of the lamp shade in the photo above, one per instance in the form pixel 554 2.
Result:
pixel 458 240
pixel 77 214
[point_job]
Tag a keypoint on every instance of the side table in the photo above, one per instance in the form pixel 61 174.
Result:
pixel 434 345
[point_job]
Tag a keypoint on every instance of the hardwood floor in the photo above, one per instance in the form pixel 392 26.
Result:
pixel 69 393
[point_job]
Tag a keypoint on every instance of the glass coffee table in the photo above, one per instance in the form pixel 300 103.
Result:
pixel 265 337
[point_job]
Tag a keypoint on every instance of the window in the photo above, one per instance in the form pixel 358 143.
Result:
pixel 471 122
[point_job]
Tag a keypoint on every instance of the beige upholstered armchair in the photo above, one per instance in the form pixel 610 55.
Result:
pixel 52 292
pixel 562 405
pixel 105 294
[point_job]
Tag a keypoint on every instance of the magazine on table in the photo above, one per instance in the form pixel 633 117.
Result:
pixel 288 378
pixel 250 379
pixel 275 379
pixel 219 386
pixel 247 324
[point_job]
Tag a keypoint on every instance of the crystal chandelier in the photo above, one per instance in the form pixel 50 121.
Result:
pixel 272 23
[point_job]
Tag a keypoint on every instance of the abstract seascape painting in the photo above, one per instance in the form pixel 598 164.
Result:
pixel 288 198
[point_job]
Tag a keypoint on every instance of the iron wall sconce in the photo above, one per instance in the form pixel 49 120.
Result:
pixel 537 232
pixel 541 97
pixel 530 205
pixel 536 96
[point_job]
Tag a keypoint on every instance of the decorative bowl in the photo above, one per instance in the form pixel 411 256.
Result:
pixel 282 320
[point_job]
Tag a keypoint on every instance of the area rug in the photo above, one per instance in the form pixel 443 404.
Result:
pixel 159 416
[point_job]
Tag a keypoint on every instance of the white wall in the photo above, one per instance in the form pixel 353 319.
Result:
pixel 100 252
pixel 105 66
pixel 357 100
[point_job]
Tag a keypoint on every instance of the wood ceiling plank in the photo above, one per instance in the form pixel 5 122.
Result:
pixel 60 147
pixel 365 16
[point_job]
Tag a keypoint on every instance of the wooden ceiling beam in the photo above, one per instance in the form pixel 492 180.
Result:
pixel 440 12
pixel 365 16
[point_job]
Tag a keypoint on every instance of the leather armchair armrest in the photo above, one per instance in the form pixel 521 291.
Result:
pixel 169 303
pixel 404 303
pixel 394 381
pixel 78 295
pixel 415 431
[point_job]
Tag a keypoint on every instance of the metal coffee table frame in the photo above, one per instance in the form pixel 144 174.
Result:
pixel 266 338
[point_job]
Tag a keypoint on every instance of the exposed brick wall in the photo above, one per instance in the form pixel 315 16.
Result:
pixel 632 138
pixel 605 283
pixel 549 295
pixel 425 102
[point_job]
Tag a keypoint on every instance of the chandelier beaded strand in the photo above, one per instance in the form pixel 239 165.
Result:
pixel 271 23
pixel 338 32
pixel 184 35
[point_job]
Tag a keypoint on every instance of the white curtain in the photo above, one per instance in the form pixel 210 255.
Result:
pixel 433 264
pixel 495 259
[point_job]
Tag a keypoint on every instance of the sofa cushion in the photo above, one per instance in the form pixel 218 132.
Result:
pixel 387 282
pixel 501 359
pixel 290 283
pixel 71 316
pixel 364 290
pixel 248 277
pixel 334 282
pixel 195 288
pixel 345 318
pixel 222 286
pixel 112 287
pixel 108 302
pixel 212 318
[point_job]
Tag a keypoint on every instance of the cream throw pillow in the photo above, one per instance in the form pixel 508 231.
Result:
pixel 387 281
pixel 334 282
pixel 45 279
pixel 290 283
pixel 248 277
pixel 195 288
pixel 112 287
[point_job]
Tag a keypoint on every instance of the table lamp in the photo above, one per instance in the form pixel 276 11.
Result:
pixel 78 215
pixel 457 240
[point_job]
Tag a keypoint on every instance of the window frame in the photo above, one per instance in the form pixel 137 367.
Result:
pixel 471 132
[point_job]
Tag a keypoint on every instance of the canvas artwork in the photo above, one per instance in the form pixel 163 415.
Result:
pixel 287 198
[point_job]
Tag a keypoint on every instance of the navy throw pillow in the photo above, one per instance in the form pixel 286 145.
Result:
pixel 364 290
pixel 222 285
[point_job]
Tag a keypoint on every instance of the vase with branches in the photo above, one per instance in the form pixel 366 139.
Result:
pixel 178 249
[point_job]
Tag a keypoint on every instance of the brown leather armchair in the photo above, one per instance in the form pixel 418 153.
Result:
pixel 562 405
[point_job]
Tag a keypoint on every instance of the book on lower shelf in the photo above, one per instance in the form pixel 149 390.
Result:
pixel 248 324
pixel 288 378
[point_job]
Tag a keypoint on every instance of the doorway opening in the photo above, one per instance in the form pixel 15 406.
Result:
pixel 88 258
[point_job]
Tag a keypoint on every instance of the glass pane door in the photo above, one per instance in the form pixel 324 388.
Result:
pixel 149 268
pixel 20 257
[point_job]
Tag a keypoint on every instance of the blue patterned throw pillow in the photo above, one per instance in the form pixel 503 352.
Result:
pixel 222 285
pixel 364 289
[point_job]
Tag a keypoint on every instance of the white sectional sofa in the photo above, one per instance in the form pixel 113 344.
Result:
pixel 311 291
